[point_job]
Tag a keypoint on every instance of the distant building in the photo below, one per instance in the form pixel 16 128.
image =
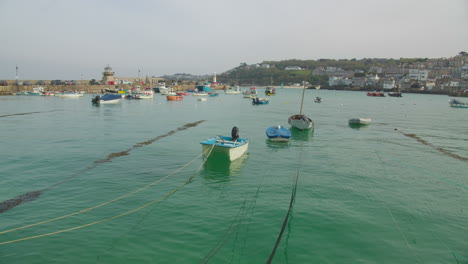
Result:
pixel 375 69
pixel 335 81
pixel 372 79
pixel 388 84
pixel 464 72
pixel 418 75
pixel 293 68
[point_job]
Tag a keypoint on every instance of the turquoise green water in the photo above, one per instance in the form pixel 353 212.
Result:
pixel 364 195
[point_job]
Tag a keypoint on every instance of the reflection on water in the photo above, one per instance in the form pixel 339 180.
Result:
pixel 302 135
pixel 277 144
pixel 219 166
pixel 358 126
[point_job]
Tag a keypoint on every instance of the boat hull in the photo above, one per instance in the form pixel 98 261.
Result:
pixel 232 92
pixel 301 122
pixel 359 121
pixel 70 95
pixel 114 101
pixel 174 97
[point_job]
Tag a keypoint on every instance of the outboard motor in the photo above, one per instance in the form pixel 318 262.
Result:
pixel 96 99
pixel 235 133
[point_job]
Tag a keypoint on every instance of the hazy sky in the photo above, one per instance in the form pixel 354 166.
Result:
pixel 76 39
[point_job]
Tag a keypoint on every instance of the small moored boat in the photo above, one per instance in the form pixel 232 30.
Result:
pixel 270 91
pixel 318 99
pixel 458 103
pixel 257 101
pixel 278 133
pixel 251 93
pixel 233 90
pixel 174 97
pixel 301 121
pixel 69 94
pixel 359 121
pixel 107 99
pixel 231 147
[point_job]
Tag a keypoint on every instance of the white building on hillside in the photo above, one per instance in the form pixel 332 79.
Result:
pixel 388 84
pixel 419 75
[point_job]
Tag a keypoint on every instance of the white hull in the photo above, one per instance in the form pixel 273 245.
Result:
pixel 302 123
pixel 231 153
pixel 144 96
pixel 115 101
pixel 359 121
pixel 72 95
pixel 232 92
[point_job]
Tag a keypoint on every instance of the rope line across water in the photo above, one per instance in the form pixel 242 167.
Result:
pixel 115 216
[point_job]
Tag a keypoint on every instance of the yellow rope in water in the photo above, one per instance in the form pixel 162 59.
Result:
pixel 116 216
pixel 102 204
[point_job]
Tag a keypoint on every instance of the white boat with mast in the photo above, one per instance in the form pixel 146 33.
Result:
pixel 301 121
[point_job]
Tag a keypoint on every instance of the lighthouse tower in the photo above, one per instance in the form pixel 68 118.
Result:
pixel 214 79
pixel 108 76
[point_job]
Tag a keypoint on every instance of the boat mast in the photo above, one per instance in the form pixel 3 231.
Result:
pixel 302 101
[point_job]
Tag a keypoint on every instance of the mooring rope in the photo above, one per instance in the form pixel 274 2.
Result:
pixel 293 197
pixel 105 203
pixel 115 216
pixel 33 195
pixel 232 228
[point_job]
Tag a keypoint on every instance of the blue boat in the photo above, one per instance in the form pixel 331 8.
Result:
pixel 213 94
pixel 257 101
pixel 107 99
pixel 278 133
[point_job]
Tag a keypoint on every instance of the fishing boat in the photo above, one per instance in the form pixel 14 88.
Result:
pixel 160 88
pixel 359 121
pixel 257 101
pixel 278 133
pixel 212 94
pixel 107 99
pixel 174 97
pixel 200 94
pixel 231 147
pixel 318 99
pixel 146 94
pixel 233 90
pixel 270 91
pixel 394 94
pixel 250 93
pixel 301 121
pixel 182 93
pixel 67 94
pixel 457 103
pixel 376 94
pixel 37 91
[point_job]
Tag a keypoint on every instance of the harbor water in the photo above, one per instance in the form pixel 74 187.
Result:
pixel 126 183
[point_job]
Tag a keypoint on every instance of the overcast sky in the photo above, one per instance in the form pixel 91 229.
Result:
pixel 76 39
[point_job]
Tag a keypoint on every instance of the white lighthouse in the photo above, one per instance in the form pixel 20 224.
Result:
pixel 214 78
